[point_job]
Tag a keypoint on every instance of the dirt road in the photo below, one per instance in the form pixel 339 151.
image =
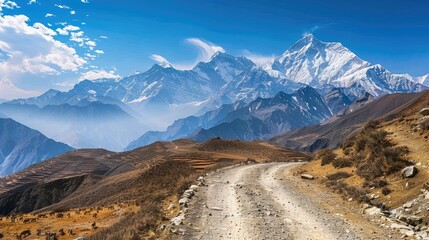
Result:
pixel 256 202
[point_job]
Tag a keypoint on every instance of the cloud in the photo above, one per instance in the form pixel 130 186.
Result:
pixel 9 91
pixel 49 15
pixel 67 29
pixel 97 74
pixel 84 1
pixel 62 6
pixel 160 60
pixel 259 59
pixel 72 12
pixel 31 49
pixel 77 37
pixel 315 28
pixel 98 51
pixel 32 2
pixel 8 5
pixel 91 44
pixel 206 49
pixel 104 37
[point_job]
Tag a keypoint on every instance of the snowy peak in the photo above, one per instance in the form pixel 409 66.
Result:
pixel 314 62
pixel 223 67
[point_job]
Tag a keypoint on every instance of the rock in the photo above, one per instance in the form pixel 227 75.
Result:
pixel 424 112
pixel 409 172
pixel 307 176
pixel 411 220
pixel 178 220
pixel 373 211
pixel 407 233
pixel 399 226
pixel 184 201
pixel 408 205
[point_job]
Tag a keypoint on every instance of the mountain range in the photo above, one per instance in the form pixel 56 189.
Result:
pixel 260 119
pixel 21 147
pixel 155 99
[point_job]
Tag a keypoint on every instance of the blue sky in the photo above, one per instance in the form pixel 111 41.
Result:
pixel 116 38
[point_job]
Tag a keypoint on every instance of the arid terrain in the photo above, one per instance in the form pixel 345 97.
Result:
pixel 144 181
pixel 267 201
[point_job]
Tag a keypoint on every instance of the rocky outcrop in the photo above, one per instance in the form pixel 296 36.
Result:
pixel 409 172
pixel 424 112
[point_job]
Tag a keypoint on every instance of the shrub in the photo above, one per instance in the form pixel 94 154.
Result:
pixel 327 156
pixel 338 175
pixel 342 163
pixel 386 191
pixel 356 193
pixel 377 183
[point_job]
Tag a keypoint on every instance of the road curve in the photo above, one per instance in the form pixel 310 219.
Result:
pixel 255 202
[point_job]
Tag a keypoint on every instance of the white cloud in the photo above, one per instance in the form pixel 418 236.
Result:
pixel 206 49
pixel 72 12
pixel 84 1
pixel 8 5
pixel 62 6
pixel 67 29
pixel 90 55
pixel 97 74
pixel 104 37
pixel 259 59
pixel 49 15
pixel 43 29
pixel 32 2
pixel 98 51
pixel 160 60
pixel 77 37
pixel 91 44
pixel 32 50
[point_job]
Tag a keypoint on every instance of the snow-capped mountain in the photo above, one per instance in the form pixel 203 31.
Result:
pixel 259 119
pixel 266 117
pixel 164 94
pixel 318 63
pixel 21 147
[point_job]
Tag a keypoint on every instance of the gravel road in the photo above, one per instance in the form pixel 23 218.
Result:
pixel 256 202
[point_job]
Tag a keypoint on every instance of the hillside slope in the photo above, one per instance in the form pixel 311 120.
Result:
pixel 320 136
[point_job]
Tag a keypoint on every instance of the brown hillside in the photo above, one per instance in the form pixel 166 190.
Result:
pixel 147 176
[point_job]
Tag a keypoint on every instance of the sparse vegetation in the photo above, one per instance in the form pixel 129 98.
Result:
pixel 327 156
pixel 373 154
pixel 386 191
pixel 342 163
pixel 338 175
pixel 358 194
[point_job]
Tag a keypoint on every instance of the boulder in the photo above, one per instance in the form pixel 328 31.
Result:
pixel 409 172
pixel 307 176
pixel 424 112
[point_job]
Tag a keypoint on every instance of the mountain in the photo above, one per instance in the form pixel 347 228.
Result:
pixel 186 126
pixel 267 117
pixel 164 94
pixel 318 63
pixel 96 125
pixel 21 147
pixel 329 135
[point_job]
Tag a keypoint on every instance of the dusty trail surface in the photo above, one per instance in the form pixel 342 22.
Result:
pixel 256 202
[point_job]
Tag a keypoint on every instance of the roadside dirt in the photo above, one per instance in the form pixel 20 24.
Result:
pixel 266 201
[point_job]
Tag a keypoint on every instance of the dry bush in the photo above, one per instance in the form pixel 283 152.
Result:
pixel 338 175
pixel 373 154
pixel 386 191
pixel 377 183
pixel 327 156
pixel 342 163
pixel 163 180
pixel 358 194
